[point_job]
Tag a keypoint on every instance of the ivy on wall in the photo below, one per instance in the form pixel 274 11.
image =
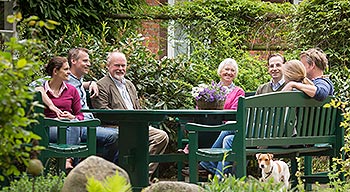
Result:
pixel 324 24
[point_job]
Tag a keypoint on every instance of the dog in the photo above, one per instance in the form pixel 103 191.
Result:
pixel 278 170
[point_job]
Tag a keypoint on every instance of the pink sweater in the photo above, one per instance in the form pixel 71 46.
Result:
pixel 68 101
pixel 232 98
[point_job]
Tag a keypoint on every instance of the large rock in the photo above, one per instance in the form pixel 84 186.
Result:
pixel 171 186
pixel 92 166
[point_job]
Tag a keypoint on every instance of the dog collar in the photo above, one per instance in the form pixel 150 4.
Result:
pixel 269 173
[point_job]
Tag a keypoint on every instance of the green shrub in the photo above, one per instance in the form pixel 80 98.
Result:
pixel 18 60
pixel 341 79
pixel 233 184
pixel 38 184
pixel 116 183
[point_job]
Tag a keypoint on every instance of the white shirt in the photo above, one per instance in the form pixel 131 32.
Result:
pixel 123 92
pixel 277 85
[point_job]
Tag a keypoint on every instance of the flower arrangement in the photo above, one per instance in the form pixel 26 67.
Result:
pixel 210 93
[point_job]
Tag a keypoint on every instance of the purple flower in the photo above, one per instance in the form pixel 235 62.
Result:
pixel 210 93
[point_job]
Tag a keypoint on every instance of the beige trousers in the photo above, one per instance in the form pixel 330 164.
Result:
pixel 158 141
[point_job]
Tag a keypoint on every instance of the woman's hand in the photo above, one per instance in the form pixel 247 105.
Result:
pixel 66 115
pixel 56 110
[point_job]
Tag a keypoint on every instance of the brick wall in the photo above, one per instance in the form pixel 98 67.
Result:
pixel 156 38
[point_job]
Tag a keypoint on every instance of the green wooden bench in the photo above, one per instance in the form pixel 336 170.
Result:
pixel 270 120
pixel 61 150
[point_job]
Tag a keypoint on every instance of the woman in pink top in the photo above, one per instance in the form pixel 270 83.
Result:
pixel 228 70
pixel 63 96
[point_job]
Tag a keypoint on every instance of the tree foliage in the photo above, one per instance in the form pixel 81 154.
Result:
pixel 87 14
pixel 16 63
pixel 19 59
pixel 324 24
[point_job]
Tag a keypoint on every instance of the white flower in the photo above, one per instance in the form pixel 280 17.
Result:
pixel 195 91
pixel 210 93
pixel 203 86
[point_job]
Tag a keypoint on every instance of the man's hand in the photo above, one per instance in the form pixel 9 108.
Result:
pixel 93 89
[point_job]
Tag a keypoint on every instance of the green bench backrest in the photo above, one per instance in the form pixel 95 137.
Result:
pixel 37 127
pixel 271 119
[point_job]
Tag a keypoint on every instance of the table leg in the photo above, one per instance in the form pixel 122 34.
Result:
pixel 133 152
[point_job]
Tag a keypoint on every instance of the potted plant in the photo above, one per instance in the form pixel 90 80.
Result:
pixel 210 96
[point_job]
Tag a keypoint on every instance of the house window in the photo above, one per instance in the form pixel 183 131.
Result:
pixel 6 28
pixel 178 43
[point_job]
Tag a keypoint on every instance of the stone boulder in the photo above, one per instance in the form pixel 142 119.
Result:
pixel 171 186
pixel 92 166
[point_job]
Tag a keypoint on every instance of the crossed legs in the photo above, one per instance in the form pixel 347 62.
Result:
pixel 158 141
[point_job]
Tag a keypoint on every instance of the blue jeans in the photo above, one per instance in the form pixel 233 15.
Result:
pixel 107 138
pixel 224 140
pixel 72 135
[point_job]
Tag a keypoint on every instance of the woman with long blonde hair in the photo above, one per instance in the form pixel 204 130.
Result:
pixel 294 70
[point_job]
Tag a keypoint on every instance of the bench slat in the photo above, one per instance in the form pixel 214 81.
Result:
pixel 317 130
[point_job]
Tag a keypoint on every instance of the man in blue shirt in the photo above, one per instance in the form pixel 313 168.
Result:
pixel 315 62
pixel 79 62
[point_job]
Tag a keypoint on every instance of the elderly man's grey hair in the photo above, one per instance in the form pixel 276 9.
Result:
pixel 228 61
pixel 110 54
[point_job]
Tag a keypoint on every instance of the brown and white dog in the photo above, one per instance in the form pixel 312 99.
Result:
pixel 278 170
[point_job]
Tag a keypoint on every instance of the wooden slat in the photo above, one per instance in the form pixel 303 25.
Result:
pixel 299 120
pixel 328 121
pixel 317 130
pixel 269 122
pixel 332 122
pixel 323 120
pixel 257 122
pixel 250 120
pixel 305 121
pixel 263 121
pixel 281 126
pixel 311 128
pixel 276 120
pixel 291 125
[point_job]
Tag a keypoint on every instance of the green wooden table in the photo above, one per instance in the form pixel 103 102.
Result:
pixel 133 135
